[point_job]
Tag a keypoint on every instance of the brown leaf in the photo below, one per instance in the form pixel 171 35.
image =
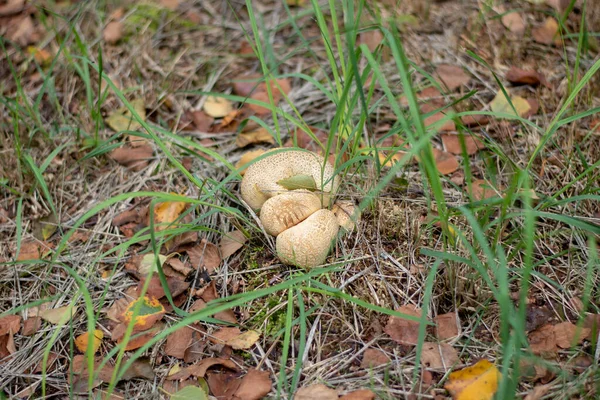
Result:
pixel 567 334
pixel 246 158
pixel 7 346
pixel 538 392
pixel 223 385
pixel 520 76
pixel 138 339
pixel 482 190
pixel 452 76
pixel 258 136
pixel 140 368
pixel 447 326
pixel 134 158
pixel 433 119
pixel 254 385
pixel 404 331
pixel 115 311
pixel 514 22
pixel 113 32
pixel 178 342
pixel 195 351
pixel 202 121
pixel 263 97
pixel 232 242
pixel 372 38
pixel 246 85
pixel 10 323
pixel 475 120
pixel 543 340
pixel 445 162
pixel 234 338
pixel 11 7
pixel 305 141
pixel 170 4
pixel 362 394
pixel 452 144
pixel 156 290
pixel 33 250
pixel 180 266
pixel 204 254
pixel 546 33
pixel 439 355
pixel 313 392
pixel 199 369
pixel 373 358
pixel 31 325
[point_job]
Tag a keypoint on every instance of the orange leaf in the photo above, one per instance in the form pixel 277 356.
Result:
pixel 82 341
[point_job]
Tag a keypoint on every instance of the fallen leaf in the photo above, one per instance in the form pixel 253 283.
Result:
pixel 178 342
pixel 223 385
pixel 543 340
pixel 170 4
pixel 199 369
pixel 520 76
pixel 260 135
pixel 123 119
pixel 189 393
pixel 538 392
pixel 7 346
pixel 166 213
pixel 500 104
pixel 204 255
pixel 82 341
pixel 477 382
pixel 475 120
pixel 140 368
pixel 446 326
pixel 147 263
pixel 439 355
pixel 313 392
pixel 452 76
pixel 41 56
pixel 217 107
pixel 59 315
pixel 264 98
pixel 180 266
pixel 113 32
pixel 446 163
pixel 195 350
pixel 136 158
pixel 372 38
pixel 403 331
pixel 138 339
pixel 115 311
pixel 150 311
pixel 481 190
pixel 514 22
pixel 246 85
pixel 362 394
pixel 235 338
pixel 567 334
pixel 547 33
pixel 10 323
pixel 433 121
pixel 373 358
pixel 31 325
pixel 33 250
pixel 254 385
pixel 11 7
pixel 246 158
pixel 452 143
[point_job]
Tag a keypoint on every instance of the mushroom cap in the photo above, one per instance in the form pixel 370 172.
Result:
pixel 307 244
pixel 288 209
pixel 260 180
pixel 347 214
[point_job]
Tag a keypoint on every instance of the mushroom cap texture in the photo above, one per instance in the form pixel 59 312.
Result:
pixel 260 180
pixel 347 214
pixel 288 209
pixel 307 244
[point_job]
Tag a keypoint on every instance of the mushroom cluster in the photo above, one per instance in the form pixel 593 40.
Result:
pixel 293 190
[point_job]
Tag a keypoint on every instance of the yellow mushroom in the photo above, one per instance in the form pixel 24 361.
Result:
pixel 288 209
pixel 268 177
pixel 307 244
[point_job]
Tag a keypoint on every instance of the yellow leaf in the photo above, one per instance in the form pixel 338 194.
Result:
pixel 244 341
pixel 82 341
pixel 500 104
pixel 58 316
pixel 150 311
pixel 167 212
pixel 148 264
pixel 477 382
pixel 217 107
pixel 123 120
pixel 257 136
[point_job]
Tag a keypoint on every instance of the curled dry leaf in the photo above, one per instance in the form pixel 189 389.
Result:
pixel 452 76
pixel 217 107
pixel 232 242
pixel 318 391
pixel 452 143
pixel 514 22
pixel 404 331
pixel 479 381
pixel 260 135
pixel 438 355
